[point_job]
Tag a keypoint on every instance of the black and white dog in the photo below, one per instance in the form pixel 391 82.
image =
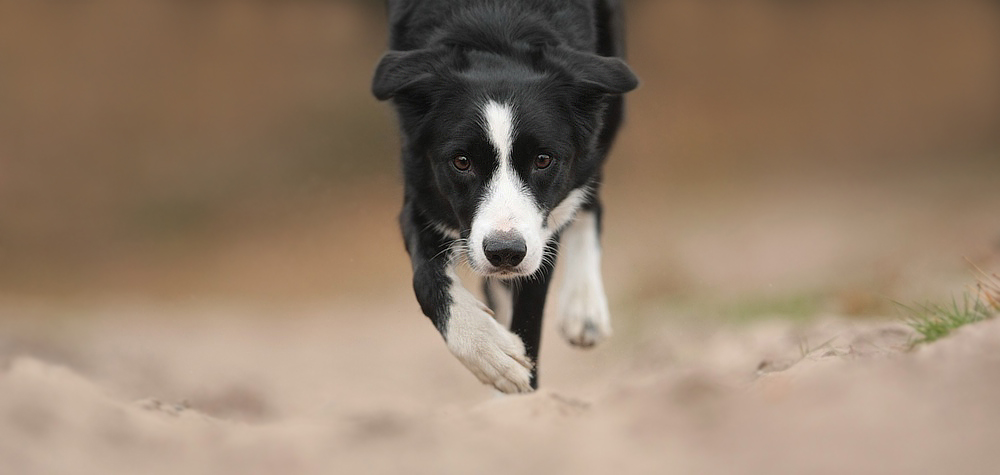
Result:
pixel 507 110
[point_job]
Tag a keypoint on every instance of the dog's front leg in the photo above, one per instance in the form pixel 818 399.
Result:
pixel 529 304
pixel 495 355
pixel 583 306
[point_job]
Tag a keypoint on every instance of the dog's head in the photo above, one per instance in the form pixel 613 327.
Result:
pixel 503 146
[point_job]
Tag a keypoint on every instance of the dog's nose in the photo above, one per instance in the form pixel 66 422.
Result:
pixel 504 249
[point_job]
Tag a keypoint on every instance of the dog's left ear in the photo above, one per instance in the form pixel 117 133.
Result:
pixel 601 74
pixel 399 71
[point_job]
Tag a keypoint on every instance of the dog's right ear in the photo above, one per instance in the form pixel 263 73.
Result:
pixel 400 71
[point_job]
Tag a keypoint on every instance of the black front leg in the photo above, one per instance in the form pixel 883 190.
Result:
pixel 429 255
pixel 529 304
pixel 491 352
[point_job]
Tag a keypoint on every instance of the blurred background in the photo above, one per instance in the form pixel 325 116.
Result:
pixel 200 264
pixel 802 152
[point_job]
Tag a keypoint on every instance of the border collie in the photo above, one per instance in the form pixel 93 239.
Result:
pixel 507 110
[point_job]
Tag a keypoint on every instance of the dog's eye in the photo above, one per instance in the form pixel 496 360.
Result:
pixel 542 161
pixel 461 162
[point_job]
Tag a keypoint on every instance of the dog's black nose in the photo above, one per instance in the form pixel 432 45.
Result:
pixel 504 249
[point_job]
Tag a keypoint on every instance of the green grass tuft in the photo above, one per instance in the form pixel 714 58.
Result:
pixel 934 321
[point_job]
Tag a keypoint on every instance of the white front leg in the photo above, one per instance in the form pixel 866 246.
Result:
pixel 584 318
pixel 491 352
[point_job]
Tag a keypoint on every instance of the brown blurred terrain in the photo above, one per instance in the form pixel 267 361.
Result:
pixel 146 144
pixel 200 269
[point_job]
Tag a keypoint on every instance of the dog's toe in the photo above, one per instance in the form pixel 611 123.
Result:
pixel 588 337
pixel 585 331
pixel 514 380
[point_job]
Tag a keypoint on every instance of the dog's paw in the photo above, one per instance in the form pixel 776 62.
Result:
pixel 491 352
pixel 584 319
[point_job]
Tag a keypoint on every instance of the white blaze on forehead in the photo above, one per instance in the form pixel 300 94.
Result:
pixel 507 204
pixel 498 119
pixel 507 200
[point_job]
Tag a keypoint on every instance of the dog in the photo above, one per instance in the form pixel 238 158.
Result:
pixel 507 111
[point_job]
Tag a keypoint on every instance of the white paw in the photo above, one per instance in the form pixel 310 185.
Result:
pixel 491 352
pixel 584 317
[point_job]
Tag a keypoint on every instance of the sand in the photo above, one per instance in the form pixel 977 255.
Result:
pixel 215 389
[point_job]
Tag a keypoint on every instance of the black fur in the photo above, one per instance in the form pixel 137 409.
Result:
pixel 558 61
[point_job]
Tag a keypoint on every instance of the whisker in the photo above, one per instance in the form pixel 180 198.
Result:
pixel 451 249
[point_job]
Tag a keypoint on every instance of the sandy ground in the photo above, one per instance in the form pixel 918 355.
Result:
pixel 218 390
